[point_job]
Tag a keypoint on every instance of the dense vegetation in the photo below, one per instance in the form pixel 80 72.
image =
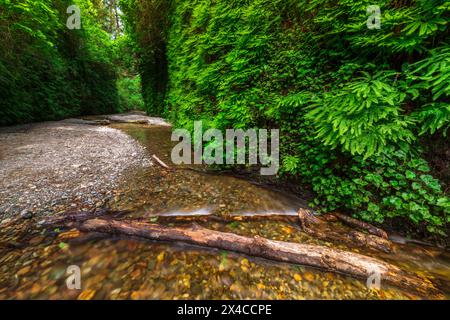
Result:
pixel 363 111
pixel 48 71
pixel 147 24
pixel 359 108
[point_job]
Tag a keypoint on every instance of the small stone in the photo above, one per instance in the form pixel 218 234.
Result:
pixel 23 271
pixel 86 295
pixel 309 276
pixel 25 214
pixel 160 257
pixel 245 262
pixel 36 240
pixel 35 288
pixel 5 221
pixel 73 233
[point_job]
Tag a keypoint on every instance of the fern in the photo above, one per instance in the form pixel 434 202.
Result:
pixel 432 76
pixel 363 117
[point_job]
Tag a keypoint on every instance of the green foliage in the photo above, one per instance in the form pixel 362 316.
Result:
pixel 146 23
pixel 350 101
pixel 384 187
pixel 47 71
pixel 430 78
pixel 130 97
pixel 129 81
pixel 363 116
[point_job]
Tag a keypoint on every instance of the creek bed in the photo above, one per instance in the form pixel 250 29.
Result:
pixel 122 268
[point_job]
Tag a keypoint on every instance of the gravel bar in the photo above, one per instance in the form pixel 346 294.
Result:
pixel 54 166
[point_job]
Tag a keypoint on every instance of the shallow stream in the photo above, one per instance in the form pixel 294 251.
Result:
pixel 34 265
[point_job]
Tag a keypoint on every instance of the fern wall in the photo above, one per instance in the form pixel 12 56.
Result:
pixel 351 102
pixel 47 71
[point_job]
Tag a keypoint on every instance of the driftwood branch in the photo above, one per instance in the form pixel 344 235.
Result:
pixel 361 225
pixel 322 257
pixel 160 162
pixel 323 230
pixel 79 216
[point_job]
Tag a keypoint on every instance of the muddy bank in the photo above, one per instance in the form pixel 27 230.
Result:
pixel 53 165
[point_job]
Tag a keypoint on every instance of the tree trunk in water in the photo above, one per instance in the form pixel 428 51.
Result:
pixel 79 216
pixel 361 225
pixel 322 257
pixel 323 230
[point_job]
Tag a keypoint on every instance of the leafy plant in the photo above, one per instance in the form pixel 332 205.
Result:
pixel 49 72
pixel 350 101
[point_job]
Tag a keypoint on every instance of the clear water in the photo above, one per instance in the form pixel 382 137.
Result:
pixel 123 268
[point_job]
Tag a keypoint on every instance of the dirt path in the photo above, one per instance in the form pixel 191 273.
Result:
pixel 46 167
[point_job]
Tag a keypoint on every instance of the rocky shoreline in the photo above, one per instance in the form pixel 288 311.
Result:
pixel 52 166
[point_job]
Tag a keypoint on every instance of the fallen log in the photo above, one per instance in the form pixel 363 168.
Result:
pixel 402 240
pixel 352 222
pixel 329 217
pixel 217 218
pixel 323 230
pixel 78 216
pixel 65 219
pixel 335 260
